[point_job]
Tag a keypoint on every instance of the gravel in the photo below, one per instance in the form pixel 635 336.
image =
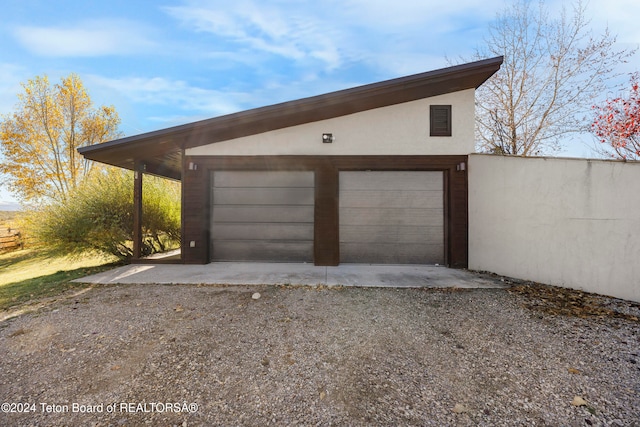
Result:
pixel 224 355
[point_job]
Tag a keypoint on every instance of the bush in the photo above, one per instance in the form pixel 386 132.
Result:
pixel 98 216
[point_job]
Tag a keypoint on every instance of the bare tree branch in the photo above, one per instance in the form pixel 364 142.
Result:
pixel 553 71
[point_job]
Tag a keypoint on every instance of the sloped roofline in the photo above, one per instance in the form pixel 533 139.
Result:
pixel 161 150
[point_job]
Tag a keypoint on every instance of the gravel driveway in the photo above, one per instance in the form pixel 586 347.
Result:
pixel 192 355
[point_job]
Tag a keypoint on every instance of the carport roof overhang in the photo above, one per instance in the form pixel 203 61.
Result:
pixel 160 152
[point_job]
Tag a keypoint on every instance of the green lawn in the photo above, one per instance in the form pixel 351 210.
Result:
pixel 29 274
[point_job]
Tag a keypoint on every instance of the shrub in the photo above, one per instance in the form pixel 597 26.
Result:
pixel 98 216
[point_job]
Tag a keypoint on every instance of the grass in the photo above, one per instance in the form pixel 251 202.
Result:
pixel 29 274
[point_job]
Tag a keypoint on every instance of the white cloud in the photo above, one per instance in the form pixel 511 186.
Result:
pixel 159 91
pixel 332 34
pixel 162 102
pixel 86 39
pixel 284 29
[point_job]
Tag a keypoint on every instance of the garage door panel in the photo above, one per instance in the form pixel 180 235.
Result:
pixel 391 216
pixel 262 216
pixel 391 198
pixel 389 253
pixel 263 231
pixel 276 214
pixel 263 196
pixel 389 180
pixel 284 179
pixel 258 250
pixel 393 234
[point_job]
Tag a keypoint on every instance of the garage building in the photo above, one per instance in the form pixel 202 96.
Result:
pixel 373 174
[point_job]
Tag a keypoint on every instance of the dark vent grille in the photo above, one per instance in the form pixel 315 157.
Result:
pixel 440 120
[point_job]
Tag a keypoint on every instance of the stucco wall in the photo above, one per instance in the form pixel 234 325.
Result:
pixel 393 130
pixel 567 222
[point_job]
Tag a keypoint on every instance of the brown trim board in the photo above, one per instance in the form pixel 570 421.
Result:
pixel 196 197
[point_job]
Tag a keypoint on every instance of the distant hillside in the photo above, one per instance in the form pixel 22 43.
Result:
pixel 9 206
pixel 7 216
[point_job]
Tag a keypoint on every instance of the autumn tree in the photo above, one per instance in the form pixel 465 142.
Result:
pixel 39 141
pixel 617 123
pixel 553 69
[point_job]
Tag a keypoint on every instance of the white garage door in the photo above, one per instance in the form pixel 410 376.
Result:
pixel 262 216
pixel 391 217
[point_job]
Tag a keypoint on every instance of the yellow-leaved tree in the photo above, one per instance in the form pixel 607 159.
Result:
pixel 39 141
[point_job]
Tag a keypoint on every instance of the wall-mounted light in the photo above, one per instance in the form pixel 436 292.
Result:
pixel 193 166
pixel 462 166
pixel 327 138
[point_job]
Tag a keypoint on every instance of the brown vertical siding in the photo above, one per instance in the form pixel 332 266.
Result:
pixel 458 218
pixel 195 214
pixel 326 239
pixel 195 193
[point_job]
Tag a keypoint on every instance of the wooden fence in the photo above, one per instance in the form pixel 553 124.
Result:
pixel 10 240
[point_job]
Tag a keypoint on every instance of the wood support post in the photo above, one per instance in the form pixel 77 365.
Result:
pixel 137 210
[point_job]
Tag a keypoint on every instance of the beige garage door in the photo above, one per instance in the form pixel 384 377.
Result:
pixel 262 216
pixel 391 217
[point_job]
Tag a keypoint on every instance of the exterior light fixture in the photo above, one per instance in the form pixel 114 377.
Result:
pixel 327 138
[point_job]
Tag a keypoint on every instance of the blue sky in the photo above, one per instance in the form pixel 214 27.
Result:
pixel 162 63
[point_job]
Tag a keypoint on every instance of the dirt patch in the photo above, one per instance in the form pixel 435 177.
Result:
pixel 568 302
pixel 205 355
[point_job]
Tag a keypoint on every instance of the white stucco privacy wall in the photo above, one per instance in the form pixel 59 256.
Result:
pixel 392 130
pixel 566 222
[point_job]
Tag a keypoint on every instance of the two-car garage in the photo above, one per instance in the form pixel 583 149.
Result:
pixel 369 174
pixel 384 217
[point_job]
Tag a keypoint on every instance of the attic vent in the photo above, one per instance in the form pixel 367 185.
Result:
pixel 440 120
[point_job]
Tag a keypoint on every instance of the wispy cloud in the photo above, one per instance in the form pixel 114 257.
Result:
pixel 283 29
pixel 154 96
pixel 331 35
pixel 180 95
pixel 86 39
